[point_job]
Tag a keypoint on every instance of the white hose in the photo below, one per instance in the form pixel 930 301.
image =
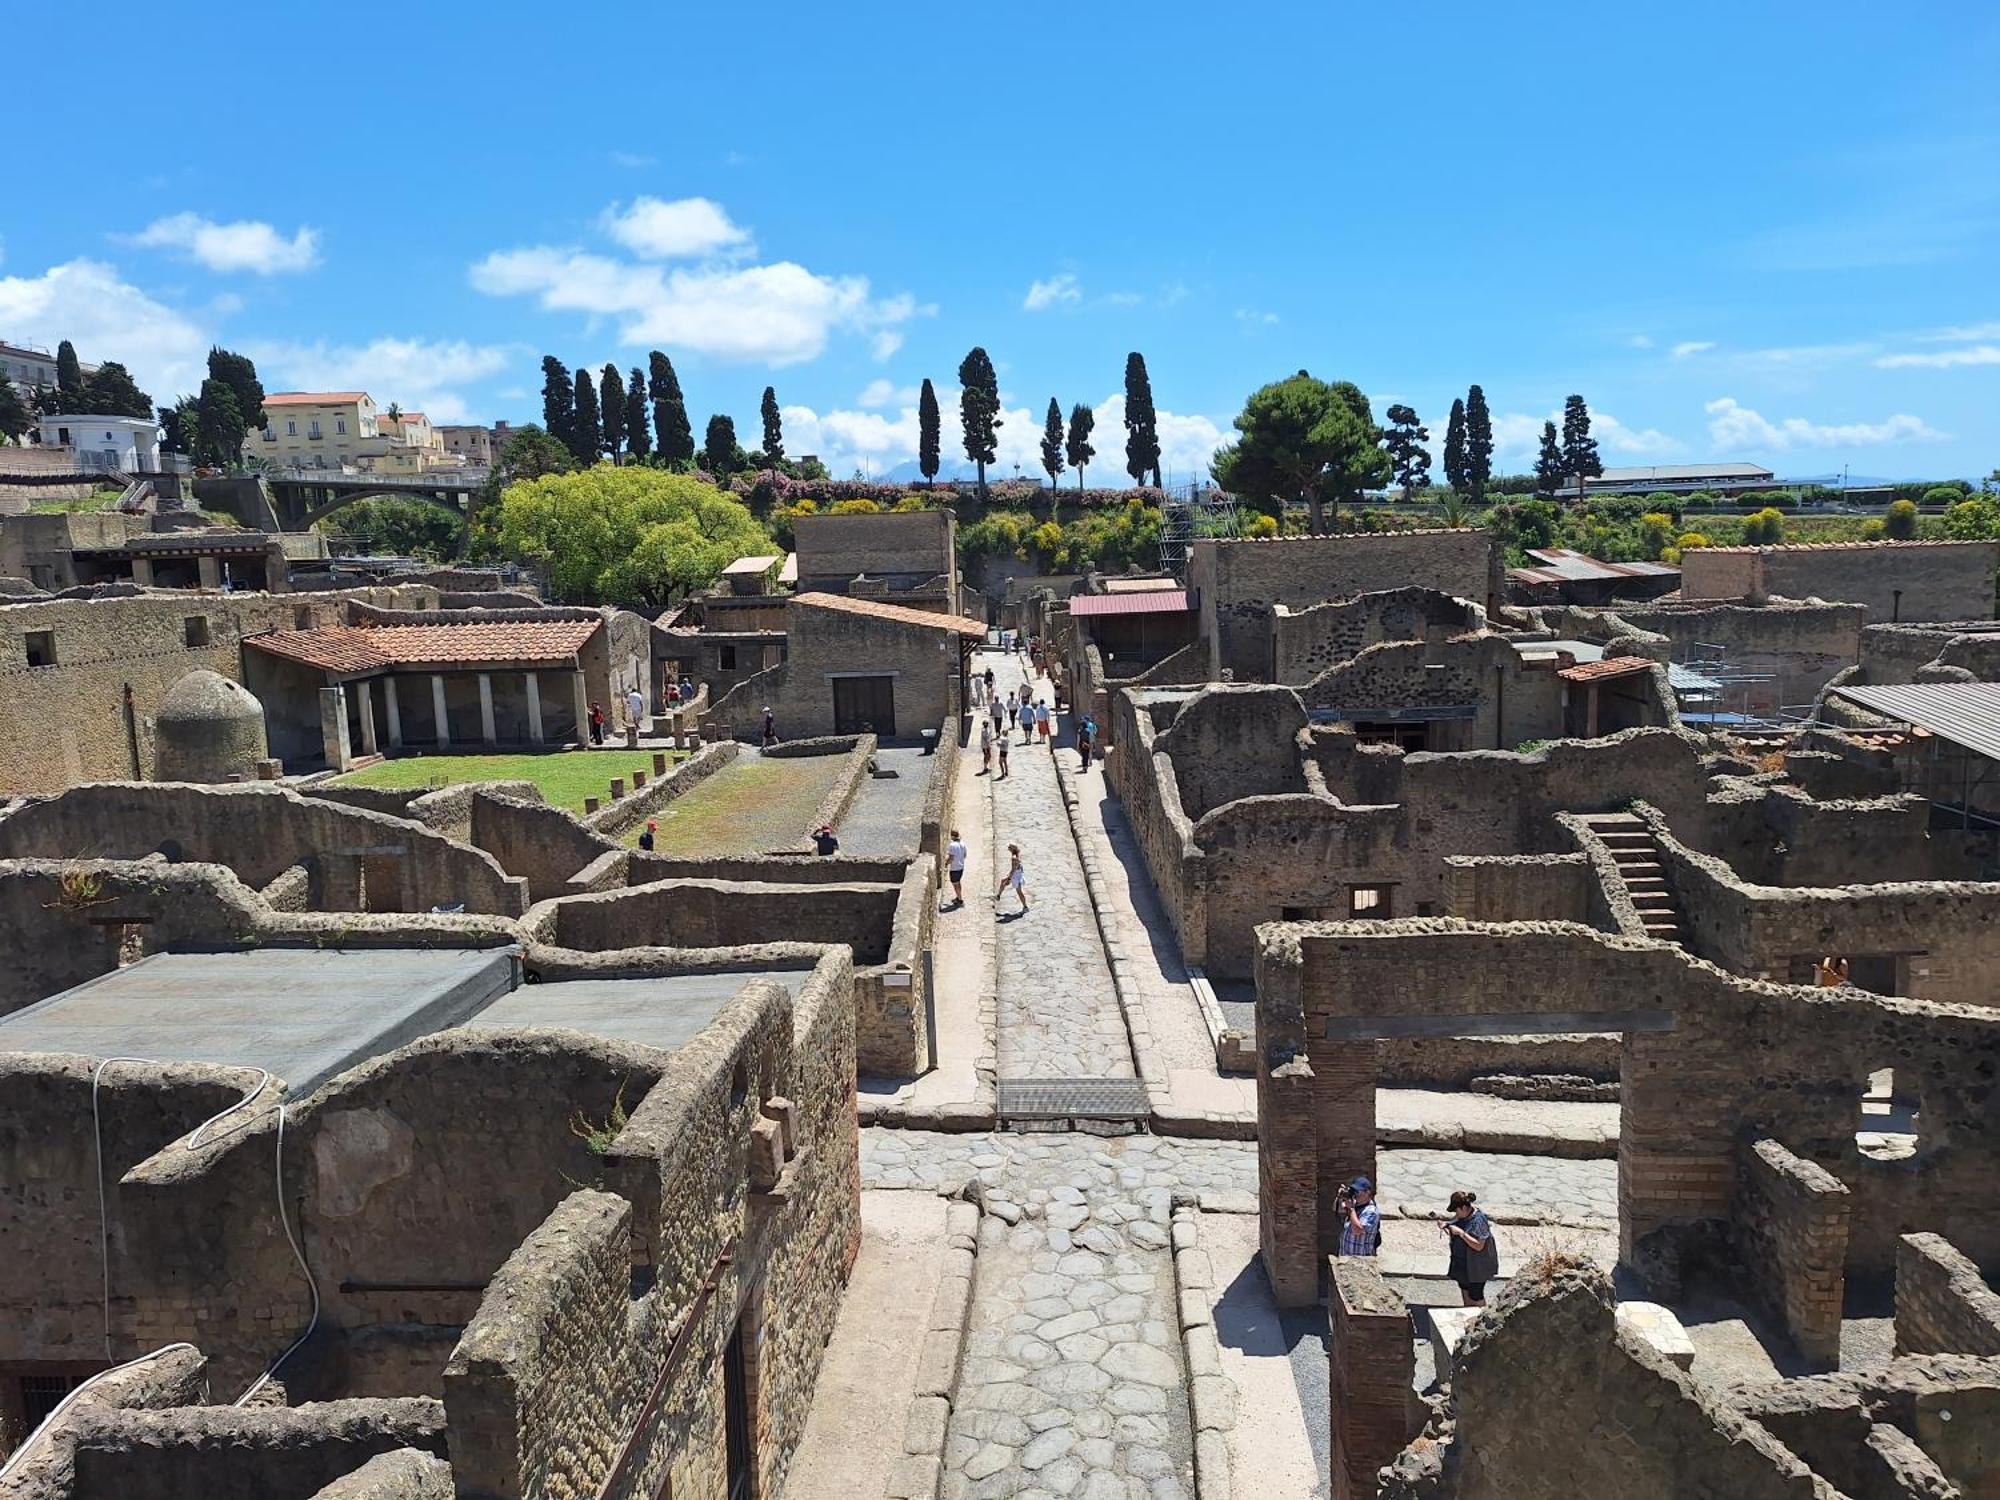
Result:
pixel 63 1405
pixel 297 1250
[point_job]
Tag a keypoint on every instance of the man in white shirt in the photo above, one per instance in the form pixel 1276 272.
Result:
pixel 954 863
pixel 635 705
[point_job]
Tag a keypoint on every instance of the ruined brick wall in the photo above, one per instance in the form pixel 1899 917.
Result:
pixel 1801 645
pixel 727 914
pixel 1894 580
pixel 1790 1228
pixel 1943 1304
pixel 259 831
pixel 891 998
pixel 777 869
pixel 543 845
pixel 829 643
pixel 1721 573
pixel 1512 700
pixel 1900 653
pixel 1230 742
pixel 1308 641
pixel 1369 1372
pixel 1518 888
pixel 1144 780
pixel 895 545
pixel 641 803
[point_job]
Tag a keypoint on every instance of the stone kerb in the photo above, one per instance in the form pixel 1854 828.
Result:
pixel 628 810
pixel 917 1474
pixel 1212 1396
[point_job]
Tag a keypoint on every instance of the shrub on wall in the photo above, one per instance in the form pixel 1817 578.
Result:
pixel 1899 521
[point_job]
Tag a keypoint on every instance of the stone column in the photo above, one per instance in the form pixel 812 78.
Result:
pixel 209 572
pixel 333 728
pixel 534 709
pixel 581 691
pixel 438 707
pixel 367 691
pixel 277 575
pixel 395 713
pixel 486 708
pixel 142 572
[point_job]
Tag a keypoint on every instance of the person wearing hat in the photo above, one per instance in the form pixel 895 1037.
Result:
pixel 1360 1219
pixel 646 838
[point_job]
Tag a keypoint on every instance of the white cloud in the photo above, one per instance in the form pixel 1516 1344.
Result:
pixel 1733 426
pixel 885 344
pixel 1123 299
pixel 659 230
pixel 1253 316
pixel 1944 359
pixel 106 317
pixel 246 245
pixel 1964 333
pixel 1058 290
pixel 1517 438
pixel 1615 437
pixel 1689 347
pixel 417 374
pixel 1187 442
pixel 1640 341
pixel 881 393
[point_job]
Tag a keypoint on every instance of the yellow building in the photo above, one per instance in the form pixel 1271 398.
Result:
pixel 411 445
pixel 315 430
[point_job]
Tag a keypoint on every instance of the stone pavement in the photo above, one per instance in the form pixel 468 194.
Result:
pixel 1058 1011
pixel 887 814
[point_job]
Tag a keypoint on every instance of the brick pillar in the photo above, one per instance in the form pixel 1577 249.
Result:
pixel 208 572
pixel 534 709
pixel 1344 1109
pixel 1370 1364
pixel 580 691
pixel 438 708
pixel 486 708
pixel 1288 1181
pixel 395 713
pixel 142 572
pixel 333 728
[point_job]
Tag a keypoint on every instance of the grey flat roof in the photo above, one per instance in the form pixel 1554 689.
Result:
pixel 663 1013
pixel 1966 713
pixel 303 1014
pixel 1683 472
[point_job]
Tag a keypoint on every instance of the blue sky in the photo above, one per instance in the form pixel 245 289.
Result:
pixel 1740 230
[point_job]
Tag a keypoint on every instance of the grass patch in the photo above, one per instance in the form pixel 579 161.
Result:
pixel 750 806
pixel 566 777
pixel 95 500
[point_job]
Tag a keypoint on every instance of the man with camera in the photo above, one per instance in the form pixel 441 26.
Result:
pixel 1360 1219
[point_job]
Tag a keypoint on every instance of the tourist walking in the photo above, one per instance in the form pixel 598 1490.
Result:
pixel 770 728
pixel 635 705
pixel 597 723
pixel 1001 744
pixel 989 682
pixel 985 747
pixel 954 867
pixel 1083 731
pixel 1360 1219
pixel 646 838
pixel 994 707
pixel 1475 1256
pixel 1027 720
pixel 1016 876
pixel 1042 724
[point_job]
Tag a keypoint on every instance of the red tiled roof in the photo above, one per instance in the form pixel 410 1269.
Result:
pixel 1600 671
pixel 902 614
pixel 377 648
pixel 1341 536
pixel 1841 546
pixel 1162 602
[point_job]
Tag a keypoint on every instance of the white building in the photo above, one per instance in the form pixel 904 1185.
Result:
pixel 128 443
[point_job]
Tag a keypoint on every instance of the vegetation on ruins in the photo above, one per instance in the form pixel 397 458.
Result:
pixel 1110 539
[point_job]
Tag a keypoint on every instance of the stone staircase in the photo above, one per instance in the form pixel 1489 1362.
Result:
pixel 1639 866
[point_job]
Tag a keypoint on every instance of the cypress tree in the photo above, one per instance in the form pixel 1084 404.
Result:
pixel 69 377
pixel 1142 432
pixel 979 410
pixel 1549 464
pixel 1078 450
pixel 670 418
pixel 1052 441
pixel 1454 449
pixel 774 431
pixel 218 440
pixel 718 453
pixel 1580 460
pixel 1478 442
pixel 240 374
pixel 611 399
pixel 558 402
pixel 927 432
pixel 584 435
pixel 638 441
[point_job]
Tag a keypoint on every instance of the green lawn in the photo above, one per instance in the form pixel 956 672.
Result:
pixel 750 806
pixel 566 777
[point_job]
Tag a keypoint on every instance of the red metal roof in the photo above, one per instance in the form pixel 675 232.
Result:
pixel 378 648
pixel 1158 602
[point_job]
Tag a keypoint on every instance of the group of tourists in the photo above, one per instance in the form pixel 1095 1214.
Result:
pixel 1473 1254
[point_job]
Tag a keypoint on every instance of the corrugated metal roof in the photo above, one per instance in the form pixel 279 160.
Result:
pixel 1966 713
pixel 1160 602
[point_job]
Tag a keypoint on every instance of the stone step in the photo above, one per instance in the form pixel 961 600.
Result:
pixel 1612 820
pixel 1620 837
pixel 1655 904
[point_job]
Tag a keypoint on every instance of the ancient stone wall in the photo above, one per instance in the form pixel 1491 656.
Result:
pixel 1901 653
pixel 776 869
pixel 892 545
pixel 728 913
pixel 178 1377
pixel 1518 888
pixel 1144 779
pixel 1512 699
pixel 825 644
pixel 1790 1228
pixel 1370 1366
pixel 1308 641
pixel 543 845
pixel 1943 1304
pixel 1231 742
pixel 637 805
pixel 1801 645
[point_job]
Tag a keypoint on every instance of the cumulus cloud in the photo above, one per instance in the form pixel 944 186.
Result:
pixel 106 317
pixel 1734 426
pixel 659 230
pixel 1942 359
pixel 778 313
pixel 1255 317
pixel 417 374
pixel 1517 437
pixel 1640 341
pixel 1689 347
pixel 245 245
pixel 880 393
pixel 1059 290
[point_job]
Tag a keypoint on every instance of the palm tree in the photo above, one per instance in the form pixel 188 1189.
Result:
pixel 1454 509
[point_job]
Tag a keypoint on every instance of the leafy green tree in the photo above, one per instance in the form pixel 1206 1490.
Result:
pixel 1900 522
pixel 397 527
pixel 1142 423
pixel 1549 464
pixel 1409 460
pixel 1973 520
pixel 69 377
pixel 927 432
pixel 638 441
pixel 15 418
pixel 1454 448
pixel 558 402
pixel 774 429
pixel 1580 460
pixel 1303 439
pixel 1077 447
pixel 1052 442
pixel 611 398
pixel 671 429
pixel 634 536
pixel 1478 444
pixel 109 391
pixel 719 453
pixel 179 425
pixel 218 426
pixel 584 433
pixel 530 453
pixel 979 410
pixel 239 373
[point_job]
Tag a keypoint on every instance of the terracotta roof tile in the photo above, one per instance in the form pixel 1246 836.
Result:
pixel 1341 536
pixel 1840 546
pixel 377 648
pixel 1599 671
pixel 1159 602
pixel 900 613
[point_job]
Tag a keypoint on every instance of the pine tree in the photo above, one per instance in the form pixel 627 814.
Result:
pixel 558 402
pixel 774 430
pixel 179 426
pixel 69 377
pixel 927 432
pixel 611 399
pixel 1142 429
pixel 979 410
pixel 671 428
pixel 1405 441
pixel 1078 450
pixel 584 435
pixel 718 452
pixel 1580 460
pixel 239 373
pixel 110 391
pixel 218 441
pixel 1052 442
pixel 638 441
pixel 1478 443
pixel 1454 449
pixel 1549 464
pixel 15 418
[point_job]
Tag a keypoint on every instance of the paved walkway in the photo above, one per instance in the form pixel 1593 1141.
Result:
pixel 1058 1012
pixel 887 815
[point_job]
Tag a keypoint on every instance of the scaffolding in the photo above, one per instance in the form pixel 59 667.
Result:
pixel 1198 511
pixel 1717 692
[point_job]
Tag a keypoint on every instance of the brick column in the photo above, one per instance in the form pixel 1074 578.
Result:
pixel 534 709
pixel 208 571
pixel 1288 1181
pixel 395 713
pixel 1344 1111
pixel 438 707
pixel 1370 1363
pixel 333 728
pixel 486 707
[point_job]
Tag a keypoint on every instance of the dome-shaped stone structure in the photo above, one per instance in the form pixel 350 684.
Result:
pixel 208 729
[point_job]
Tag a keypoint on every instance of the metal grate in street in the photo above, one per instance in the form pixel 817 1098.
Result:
pixel 1072 1099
